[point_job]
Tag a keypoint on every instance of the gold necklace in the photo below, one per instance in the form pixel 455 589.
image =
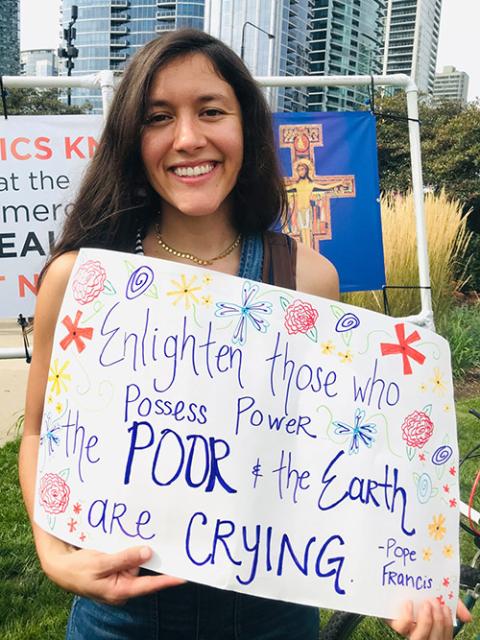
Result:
pixel 190 256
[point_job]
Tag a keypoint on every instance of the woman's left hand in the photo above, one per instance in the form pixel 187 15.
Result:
pixel 434 621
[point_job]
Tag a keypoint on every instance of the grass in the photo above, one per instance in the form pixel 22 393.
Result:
pixel 32 608
pixel 447 238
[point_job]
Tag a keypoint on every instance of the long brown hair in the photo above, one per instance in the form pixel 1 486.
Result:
pixel 115 199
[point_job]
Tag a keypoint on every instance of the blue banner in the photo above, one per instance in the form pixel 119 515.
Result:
pixel 329 160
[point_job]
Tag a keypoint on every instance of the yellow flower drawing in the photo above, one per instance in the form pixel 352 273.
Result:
pixel 436 528
pixel 59 407
pixel 50 399
pixel 207 301
pixel 437 381
pixel 447 408
pixel 328 348
pixel 207 279
pixel 423 387
pixel 345 357
pixel 427 554
pixel 58 377
pixel 185 291
pixel 448 551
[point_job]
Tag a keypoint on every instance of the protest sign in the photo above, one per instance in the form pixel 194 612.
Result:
pixel 41 161
pixel 258 439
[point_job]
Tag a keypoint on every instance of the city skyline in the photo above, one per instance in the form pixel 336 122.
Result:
pixel 40 29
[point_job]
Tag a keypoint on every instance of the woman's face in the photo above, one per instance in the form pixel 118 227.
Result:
pixel 192 143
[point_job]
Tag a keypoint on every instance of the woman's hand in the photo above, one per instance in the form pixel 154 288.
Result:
pixel 434 621
pixel 109 578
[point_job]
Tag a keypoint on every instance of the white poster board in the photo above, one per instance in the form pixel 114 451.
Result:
pixel 258 439
pixel 41 162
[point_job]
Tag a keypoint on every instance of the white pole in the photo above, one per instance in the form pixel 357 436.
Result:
pixel 418 201
pixel 106 81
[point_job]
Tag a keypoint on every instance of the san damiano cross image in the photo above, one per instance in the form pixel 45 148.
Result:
pixel 309 194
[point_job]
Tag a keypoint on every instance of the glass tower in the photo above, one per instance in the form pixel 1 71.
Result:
pixel 411 40
pixel 245 25
pixel 9 38
pixel 110 31
pixel 347 39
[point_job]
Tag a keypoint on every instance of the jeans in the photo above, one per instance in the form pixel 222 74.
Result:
pixel 193 612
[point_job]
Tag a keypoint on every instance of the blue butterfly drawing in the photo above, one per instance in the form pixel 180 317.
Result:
pixel 361 433
pixel 247 311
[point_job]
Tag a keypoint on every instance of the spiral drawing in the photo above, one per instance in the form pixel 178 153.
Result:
pixel 139 282
pixel 442 455
pixel 424 488
pixel 347 322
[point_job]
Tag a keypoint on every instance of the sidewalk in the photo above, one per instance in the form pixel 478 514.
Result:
pixel 13 382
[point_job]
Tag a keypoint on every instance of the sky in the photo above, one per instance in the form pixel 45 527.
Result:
pixel 459 43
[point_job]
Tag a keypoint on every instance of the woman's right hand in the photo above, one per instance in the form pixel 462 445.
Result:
pixel 109 578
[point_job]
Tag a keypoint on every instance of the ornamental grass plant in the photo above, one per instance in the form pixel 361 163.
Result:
pixel 447 240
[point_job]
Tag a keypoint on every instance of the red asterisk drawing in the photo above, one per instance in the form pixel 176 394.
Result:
pixel 450 595
pixel 421 457
pixel 446 488
pixel 404 348
pixel 441 600
pixel 445 582
pixel 453 502
pixel 77 507
pixel 452 471
pixel 75 333
pixel 82 536
pixel 72 525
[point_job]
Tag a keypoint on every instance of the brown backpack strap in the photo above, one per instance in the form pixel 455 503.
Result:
pixel 279 260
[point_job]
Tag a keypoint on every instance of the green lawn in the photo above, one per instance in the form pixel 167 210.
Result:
pixel 32 608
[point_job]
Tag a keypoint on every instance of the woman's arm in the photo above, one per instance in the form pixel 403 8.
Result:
pixel 107 577
pixel 316 274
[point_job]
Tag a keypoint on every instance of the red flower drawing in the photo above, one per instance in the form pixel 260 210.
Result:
pixel 75 334
pixel 300 317
pixel 417 429
pixel 54 493
pixel 89 281
pixel 404 348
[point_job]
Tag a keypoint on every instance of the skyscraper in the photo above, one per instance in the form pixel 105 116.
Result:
pixel 9 38
pixel 411 40
pixel 246 24
pixel 110 31
pixel 38 62
pixel 451 84
pixel 347 39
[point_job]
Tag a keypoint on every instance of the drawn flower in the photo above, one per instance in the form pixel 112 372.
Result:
pixel 446 488
pixel 404 348
pixel 345 357
pixel 247 311
pixel 50 437
pixel 72 525
pixel 58 377
pixel 421 457
pixel 436 528
pixel 207 279
pixel 77 507
pixel 300 317
pixel 448 551
pixel 452 471
pixel 446 582
pixel 417 429
pixel 207 300
pixel 82 537
pixel 452 502
pixel 59 407
pixel 89 281
pixel 361 433
pixel 423 387
pixel 437 381
pixel 441 600
pixel 328 348
pixel 185 291
pixel 54 493
pixel 450 595
pixel 75 333
pixel 447 408
pixel 427 554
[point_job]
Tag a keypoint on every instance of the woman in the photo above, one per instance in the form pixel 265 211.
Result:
pixel 186 171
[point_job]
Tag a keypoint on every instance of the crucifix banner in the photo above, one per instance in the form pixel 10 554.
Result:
pixel 329 161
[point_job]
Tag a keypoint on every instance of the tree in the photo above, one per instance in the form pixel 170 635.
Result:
pixel 450 135
pixel 30 101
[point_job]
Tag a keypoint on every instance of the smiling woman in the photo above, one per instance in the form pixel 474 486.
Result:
pixel 185 170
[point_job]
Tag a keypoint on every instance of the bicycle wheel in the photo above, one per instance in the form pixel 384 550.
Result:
pixel 343 624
